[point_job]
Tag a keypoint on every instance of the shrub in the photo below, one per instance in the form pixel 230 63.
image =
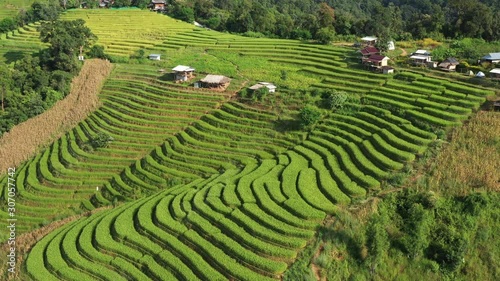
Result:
pixel 101 140
pixel 309 115
pixel 332 99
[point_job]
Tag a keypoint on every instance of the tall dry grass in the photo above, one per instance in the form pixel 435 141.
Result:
pixel 472 158
pixel 25 139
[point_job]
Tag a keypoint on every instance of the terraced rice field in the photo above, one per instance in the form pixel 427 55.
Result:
pixel 25 40
pixel 137 112
pixel 136 29
pixel 10 8
pixel 211 190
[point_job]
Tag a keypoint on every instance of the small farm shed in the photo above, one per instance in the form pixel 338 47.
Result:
pixel 154 57
pixel 376 60
pixel 495 73
pixel 387 69
pixel 157 5
pixel 492 58
pixel 183 72
pixel 215 81
pixel 369 40
pixel 368 51
pixel 270 86
pixel 480 74
pixel 449 64
pixel 421 57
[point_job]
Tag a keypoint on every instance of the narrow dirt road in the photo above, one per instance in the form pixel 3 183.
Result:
pixel 25 139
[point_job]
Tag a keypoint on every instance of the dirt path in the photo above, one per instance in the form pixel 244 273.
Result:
pixel 404 52
pixel 314 267
pixel 25 139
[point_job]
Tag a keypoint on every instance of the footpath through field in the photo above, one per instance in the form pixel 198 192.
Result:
pixel 23 141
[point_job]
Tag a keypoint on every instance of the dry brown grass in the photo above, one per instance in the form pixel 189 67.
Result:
pixel 25 139
pixel 472 158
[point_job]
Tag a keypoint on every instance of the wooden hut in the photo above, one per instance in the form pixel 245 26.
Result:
pixel 215 81
pixel 183 73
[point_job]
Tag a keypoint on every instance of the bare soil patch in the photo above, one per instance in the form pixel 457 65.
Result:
pixel 25 139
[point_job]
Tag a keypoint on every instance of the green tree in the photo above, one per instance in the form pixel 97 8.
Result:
pixel 7 24
pixel 183 12
pixel 377 240
pixel 46 11
pixel 122 3
pixel 325 35
pixel 97 51
pixel 326 15
pixel 332 99
pixel 418 224
pixel 100 140
pixel 309 115
pixel 5 83
pixel 65 39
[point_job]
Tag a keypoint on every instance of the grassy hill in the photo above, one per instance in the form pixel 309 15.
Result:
pixel 209 186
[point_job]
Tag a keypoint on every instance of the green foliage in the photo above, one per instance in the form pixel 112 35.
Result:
pixel 97 51
pixel 184 13
pixel 7 24
pixel 325 35
pixel 309 115
pixel 101 140
pixel 332 99
pixel 377 240
pixel 65 39
pixel 122 3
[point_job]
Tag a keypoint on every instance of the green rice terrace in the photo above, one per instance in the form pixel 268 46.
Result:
pixel 205 186
pixel 9 8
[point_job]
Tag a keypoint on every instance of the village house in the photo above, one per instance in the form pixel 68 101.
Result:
pixel 215 81
pixel 271 87
pixel 183 73
pixel 422 57
pixel 154 57
pixel 157 5
pixel 495 73
pixel 376 61
pixel 368 51
pixel 492 58
pixel 369 40
pixel 449 64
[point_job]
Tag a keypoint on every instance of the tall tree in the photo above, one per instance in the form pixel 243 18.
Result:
pixel 65 39
pixel 5 81
pixel 326 15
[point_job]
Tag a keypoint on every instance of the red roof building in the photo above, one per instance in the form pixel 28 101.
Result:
pixel 376 60
pixel 368 51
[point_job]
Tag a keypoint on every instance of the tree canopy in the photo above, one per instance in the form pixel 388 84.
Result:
pixel 65 39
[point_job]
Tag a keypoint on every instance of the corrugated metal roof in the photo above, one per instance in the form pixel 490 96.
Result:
pixel 182 68
pixel 419 57
pixel 492 56
pixel 422 52
pixel 495 70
